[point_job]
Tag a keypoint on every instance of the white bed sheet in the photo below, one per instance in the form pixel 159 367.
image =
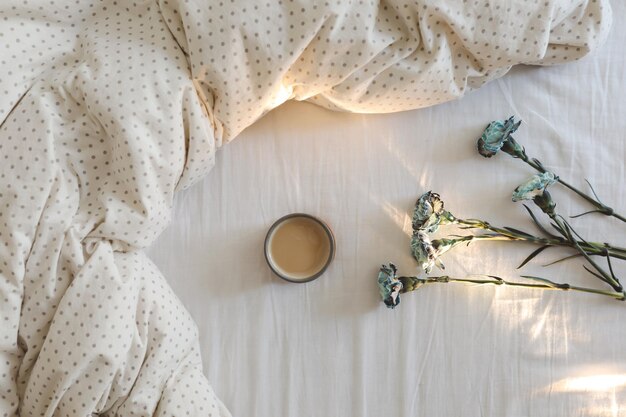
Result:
pixel 330 347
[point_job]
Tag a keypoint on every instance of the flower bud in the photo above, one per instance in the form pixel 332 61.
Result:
pixel 545 203
pixel 513 148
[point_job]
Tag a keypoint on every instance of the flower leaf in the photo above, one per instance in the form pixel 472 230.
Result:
pixel 576 255
pixel 593 191
pixel 558 229
pixel 548 282
pixel 584 214
pixel 593 273
pixel 532 255
pixel 574 231
pixel 543 280
pixel 539 225
pixel 608 260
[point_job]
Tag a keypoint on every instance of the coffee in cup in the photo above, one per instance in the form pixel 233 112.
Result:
pixel 299 247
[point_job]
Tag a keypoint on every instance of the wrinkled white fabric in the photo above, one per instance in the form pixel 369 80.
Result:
pixel 108 107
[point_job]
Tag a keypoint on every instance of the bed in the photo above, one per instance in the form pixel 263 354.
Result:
pixel 330 347
pixel 112 113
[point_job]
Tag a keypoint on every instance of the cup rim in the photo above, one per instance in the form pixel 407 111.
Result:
pixel 329 234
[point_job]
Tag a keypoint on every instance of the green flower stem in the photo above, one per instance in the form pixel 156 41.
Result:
pixel 614 251
pixel 413 283
pixel 513 235
pixel 591 250
pixel 619 216
pixel 446 244
pixel 600 207
pixel 594 248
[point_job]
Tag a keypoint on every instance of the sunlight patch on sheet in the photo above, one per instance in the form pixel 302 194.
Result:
pixel 414 170
pixel 543 326
pixel 400 217
pixel 591 383
pixel 602 391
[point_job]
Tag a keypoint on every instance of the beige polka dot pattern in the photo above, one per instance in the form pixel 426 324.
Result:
pixel 108 106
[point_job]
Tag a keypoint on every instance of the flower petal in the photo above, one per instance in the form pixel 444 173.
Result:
pixel 423 251
pixel 534 186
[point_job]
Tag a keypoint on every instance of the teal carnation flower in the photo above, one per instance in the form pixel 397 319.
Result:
pixel 534 187
pixel 496 135
pixel 424 252
pixel 389 285
pixel 428 213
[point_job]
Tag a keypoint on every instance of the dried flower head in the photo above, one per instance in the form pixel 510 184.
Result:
pixel 428 212
pixel 534 186
pixel 389 285
pixel 495 135
pixel 424 252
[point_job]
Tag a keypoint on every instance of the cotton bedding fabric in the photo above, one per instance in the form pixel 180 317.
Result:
pixel 109 107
